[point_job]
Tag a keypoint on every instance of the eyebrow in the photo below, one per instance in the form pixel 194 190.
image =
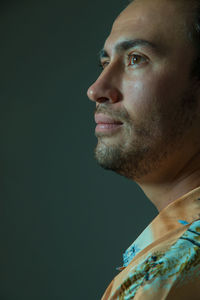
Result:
pixel 128 44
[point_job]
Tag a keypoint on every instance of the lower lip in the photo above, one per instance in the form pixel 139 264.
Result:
pixel 107 127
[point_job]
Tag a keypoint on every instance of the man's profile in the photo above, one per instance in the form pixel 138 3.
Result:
pixel 148 128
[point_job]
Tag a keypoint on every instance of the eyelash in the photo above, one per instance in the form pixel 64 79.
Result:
pixel 136 56
pixel 130 56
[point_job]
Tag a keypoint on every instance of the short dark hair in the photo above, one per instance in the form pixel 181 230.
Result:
pixel 193 32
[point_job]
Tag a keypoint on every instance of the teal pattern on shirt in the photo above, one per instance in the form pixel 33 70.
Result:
pixel 177 263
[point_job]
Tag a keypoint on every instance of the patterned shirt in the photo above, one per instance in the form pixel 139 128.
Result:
pixel 164 261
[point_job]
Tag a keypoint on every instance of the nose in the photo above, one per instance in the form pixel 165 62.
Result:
pixel 105 89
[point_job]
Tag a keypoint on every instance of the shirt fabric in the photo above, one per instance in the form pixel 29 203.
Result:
pixel 164 261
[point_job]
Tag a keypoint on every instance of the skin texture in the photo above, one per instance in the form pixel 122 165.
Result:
pixel 156 98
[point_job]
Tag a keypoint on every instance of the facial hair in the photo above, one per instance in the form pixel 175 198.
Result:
pixel 144 147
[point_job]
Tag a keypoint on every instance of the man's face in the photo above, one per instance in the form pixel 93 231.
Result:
pixel 145 99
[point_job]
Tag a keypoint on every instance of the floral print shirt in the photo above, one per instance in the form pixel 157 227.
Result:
pixel 164 261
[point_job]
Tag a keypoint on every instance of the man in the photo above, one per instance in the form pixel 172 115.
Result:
pixel 148 128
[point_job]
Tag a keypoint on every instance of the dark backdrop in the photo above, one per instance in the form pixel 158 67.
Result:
pixel 64 221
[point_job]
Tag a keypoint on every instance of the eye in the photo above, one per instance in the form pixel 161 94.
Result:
pixel 135 59
pixel 103 64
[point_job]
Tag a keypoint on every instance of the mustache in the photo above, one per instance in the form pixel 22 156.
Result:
pixel 120 115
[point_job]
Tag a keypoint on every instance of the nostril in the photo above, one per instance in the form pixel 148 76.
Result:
pixel 102 99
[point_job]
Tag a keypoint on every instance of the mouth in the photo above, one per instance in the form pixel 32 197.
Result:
pixel 106 124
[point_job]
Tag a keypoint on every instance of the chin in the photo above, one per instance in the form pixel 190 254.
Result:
pixel 129 162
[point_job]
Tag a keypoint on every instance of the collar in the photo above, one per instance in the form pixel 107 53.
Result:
pixel 180 212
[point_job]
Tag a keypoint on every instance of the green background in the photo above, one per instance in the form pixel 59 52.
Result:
pixel 64 221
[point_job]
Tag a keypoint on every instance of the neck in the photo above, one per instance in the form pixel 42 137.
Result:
pixel 169 188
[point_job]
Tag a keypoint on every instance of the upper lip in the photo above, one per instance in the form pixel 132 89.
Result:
pixel 104 119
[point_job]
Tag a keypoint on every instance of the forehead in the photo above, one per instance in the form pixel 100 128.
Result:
pixel 163 21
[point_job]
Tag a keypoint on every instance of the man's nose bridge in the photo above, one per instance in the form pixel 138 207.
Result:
pixel 109 77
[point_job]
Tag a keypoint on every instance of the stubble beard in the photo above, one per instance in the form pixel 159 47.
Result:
pixel 142 150
pixel 126 159
pixel 128 156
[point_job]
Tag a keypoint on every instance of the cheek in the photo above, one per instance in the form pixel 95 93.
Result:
pixel 149 93
pixel 138 97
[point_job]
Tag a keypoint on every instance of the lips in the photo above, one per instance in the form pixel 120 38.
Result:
pixel 104 119
pixel 106 125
